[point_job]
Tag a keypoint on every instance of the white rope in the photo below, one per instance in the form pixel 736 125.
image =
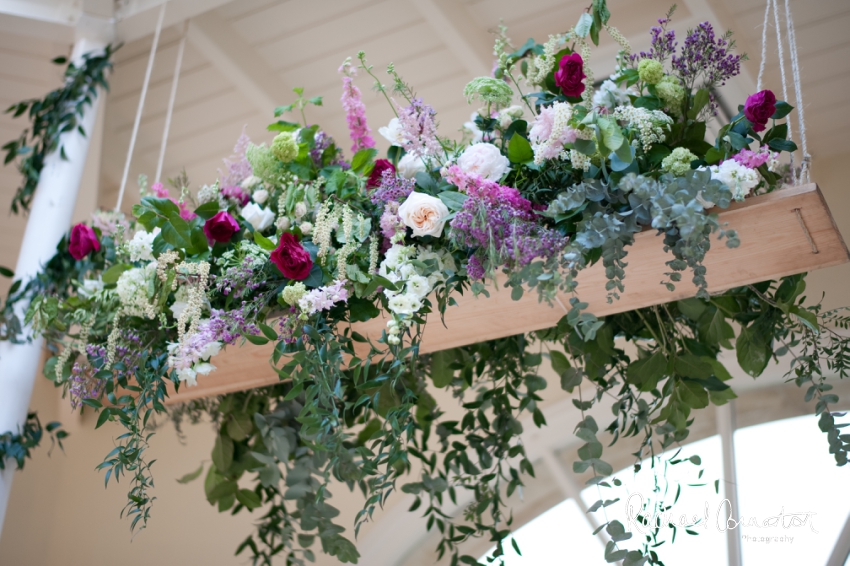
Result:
pixel 782 69
pixel 177 65
pixel 763 45
pixel 798 95
pixel 141 106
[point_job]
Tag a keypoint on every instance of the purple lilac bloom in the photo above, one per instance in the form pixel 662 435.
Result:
pixel 663 43
pixel 391 224
pixel 392 188
pixel 419 129
pixel 83 385
pixel 355 110
pixel 322 141
pixel 707 55
pixel 238 277
pixel 228 326
pixel 500 225
pixel 237 167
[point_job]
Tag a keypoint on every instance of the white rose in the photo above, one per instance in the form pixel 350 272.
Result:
pixel 306 228
pixel 300 209
pixel 410 165
pixel 260 218
pixel 282 223
pixel 250 182
pixel 392 132
pixel 260 196
pixel 484 160
pixel 425 214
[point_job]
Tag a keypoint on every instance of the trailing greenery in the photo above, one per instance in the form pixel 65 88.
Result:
pixel 60 111
pixel 19 446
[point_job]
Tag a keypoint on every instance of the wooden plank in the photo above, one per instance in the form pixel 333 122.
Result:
pixel 773 245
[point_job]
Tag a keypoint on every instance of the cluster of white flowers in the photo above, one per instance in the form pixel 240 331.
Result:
pixel 135 291
pixel 610 95
pixel 140 247
pixel 403 265
pixel 211 193
pixel 740 180
pixel 650 124
pixel 543 64
pixel 191 358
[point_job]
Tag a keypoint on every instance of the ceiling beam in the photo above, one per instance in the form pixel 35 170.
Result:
pixel 452 23
pixel 238 62
pixel 135 19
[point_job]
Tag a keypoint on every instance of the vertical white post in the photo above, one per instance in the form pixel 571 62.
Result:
pixel 726 429
pixel 50 218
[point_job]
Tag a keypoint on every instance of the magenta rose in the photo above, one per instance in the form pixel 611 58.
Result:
pixel 759 108
pixel 381 165
pixel 570 75
pixel 221 227
pixel 291 258
pixel 83 241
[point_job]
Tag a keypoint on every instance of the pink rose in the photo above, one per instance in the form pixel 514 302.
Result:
pixel 83 241
pixel 570 75
pixel 759 108
pixel 290 257
pixel 221 227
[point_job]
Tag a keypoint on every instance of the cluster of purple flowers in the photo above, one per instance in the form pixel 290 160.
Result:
pixel 663 43
pixel 391 224
pixel 237 167
pixel 321 142
pixel 419 128
pixel 236 194
pixel 83 384
pixel 755 159
pixel 228 326
pixel 705 54
pixel 239 277
pixel 500 225
pixel 392 188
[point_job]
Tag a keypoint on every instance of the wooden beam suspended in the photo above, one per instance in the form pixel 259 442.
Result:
pixel 782 233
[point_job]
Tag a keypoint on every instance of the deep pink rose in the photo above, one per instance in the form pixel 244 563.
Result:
pixel 221 227
pixel 291 258
pixel 83 241
pixel 381 165
pixel 570 75
pixel 759 108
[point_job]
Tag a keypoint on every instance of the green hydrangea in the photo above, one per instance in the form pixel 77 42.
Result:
pixel 489 89
pixel 679 162
pixel 265 165
pixel 650 71
pixel 285 147
pixel 671 93
pixel 291 294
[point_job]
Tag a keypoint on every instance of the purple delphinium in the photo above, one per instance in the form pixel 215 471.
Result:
pixel 392 188
pixel 419 129
pixel 707 56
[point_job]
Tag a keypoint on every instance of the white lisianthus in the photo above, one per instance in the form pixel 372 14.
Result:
pixel 188 376
pixel 417 286
pixel 410 165
pixel 250 182
pixel 260 196
pixel 181 301
pixel 484 160
pixel 610 96
pixel 740 180
pixel 392 132
pixel 140 247
pixel 306 228
pixel 203 368
pixel 425 214
pixel 405 304
pixel 257 216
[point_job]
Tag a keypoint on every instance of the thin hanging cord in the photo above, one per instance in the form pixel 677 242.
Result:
pixel 798 94
pixel 141 106
pixel 763 45
pixel 170 111
pixel 782 69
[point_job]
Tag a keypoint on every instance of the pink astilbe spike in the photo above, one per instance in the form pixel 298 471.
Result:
pixel 355 110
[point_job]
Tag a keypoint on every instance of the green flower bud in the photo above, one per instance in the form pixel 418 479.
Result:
pixel 650 71
pixel 672 94
pixel 284 147
pixel 679 162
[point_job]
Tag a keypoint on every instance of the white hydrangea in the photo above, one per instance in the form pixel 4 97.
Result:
pixel 740 180
pixel 132 289
pixel 140 247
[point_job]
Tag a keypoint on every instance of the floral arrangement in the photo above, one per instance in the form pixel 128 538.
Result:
pixel 294 241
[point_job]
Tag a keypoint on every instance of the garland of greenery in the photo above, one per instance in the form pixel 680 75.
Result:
pixel 58 112
pixel 293 244
pixel 18 447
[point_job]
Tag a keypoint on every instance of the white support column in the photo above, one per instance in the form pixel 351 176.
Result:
pixel 50 218
pixel 726 429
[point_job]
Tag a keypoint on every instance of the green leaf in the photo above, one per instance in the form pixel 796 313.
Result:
pixel 586 147
pixel 453 199
pixel 693 366
pixel 583 25
pixel 807 317
pixel 191 476
pixel 519 150
pixel 248 498
pixel 612 135
pixel 268 331
pixel 112 274
pixel 753 354
pixel 645 373
pixel 782 145
pixel 691 308
pixel 6 272
pixel 222 454
pixel 714 328
pixel 263 242
pixel 362 158
pixel 782 110
pixel 239 426
pixel 257 340
pixel 361 310
pixel 441 372
pixel 207 210
pixel 701 98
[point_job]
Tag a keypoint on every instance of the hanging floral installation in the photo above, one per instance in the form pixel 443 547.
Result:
pixel 295 242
